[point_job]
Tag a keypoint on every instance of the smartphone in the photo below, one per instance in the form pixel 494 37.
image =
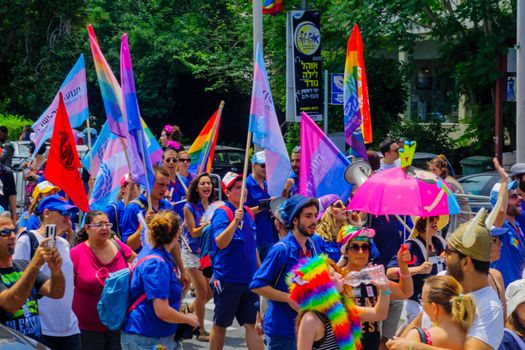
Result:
pixel 51 231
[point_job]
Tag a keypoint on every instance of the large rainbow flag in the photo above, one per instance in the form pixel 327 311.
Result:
pixel 203 148
pixel 357 120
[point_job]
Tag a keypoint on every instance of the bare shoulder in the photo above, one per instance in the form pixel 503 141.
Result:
pixel 310 319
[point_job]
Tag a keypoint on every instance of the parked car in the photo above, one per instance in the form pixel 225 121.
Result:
pixel 11 339
pixel 479 185
pixel 228 159
pixel 21 153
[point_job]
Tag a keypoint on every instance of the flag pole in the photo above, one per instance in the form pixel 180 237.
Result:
pixel 206 152
pixel 245 169
pixel 144 155
pixel 89 142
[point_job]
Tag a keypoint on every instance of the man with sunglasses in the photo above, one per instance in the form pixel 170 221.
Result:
pixel 21 281
pixel 390 150
pixel 468 261
pixel 512 259
pixel 59 322
pixel 258 199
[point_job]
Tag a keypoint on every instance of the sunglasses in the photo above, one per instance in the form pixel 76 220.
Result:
pixel 356 248
pixel 101 225
pixel 184 160
pixel 339 205
pixel 62 212
pixel 514 196
pixel 6 232
pixel 170 160
pixel 262 165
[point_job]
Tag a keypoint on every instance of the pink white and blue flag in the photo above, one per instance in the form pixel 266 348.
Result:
pixel 266 130
pixel 97 150
pixel 137 145
pixel 74 90
pixel 323 166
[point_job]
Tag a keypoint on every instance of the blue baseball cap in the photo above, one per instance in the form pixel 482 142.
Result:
pixel 56 202
pixel 293 206
pixel 498 231
pixel 259 158
pixel 512 185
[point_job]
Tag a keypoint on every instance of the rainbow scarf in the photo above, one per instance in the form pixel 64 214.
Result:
pixel 310 286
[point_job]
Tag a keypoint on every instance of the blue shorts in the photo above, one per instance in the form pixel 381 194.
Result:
pixel 233 300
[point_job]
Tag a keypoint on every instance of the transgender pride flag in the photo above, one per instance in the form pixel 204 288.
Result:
pixel 266 130
pixel 323 166
pixel 74 90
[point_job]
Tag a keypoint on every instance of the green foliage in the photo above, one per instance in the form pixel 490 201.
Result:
pixel 14 124
pixel 291 136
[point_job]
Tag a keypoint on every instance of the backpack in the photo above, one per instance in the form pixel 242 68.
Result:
pixel 114 304
pixel 33 242
pixel 206 251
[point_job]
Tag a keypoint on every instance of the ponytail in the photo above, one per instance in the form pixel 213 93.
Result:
pixel 463 310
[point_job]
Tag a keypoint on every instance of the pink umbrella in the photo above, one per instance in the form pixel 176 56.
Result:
pixel 408 191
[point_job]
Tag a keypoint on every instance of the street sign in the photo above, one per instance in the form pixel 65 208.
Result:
pixel 336 83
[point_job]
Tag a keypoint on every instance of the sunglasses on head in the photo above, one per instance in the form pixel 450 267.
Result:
pixel 170 160
pixel 6 232
pixel 184 160
pixel 356 248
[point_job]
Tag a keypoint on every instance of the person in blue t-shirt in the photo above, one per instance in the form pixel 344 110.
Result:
pixel 131 235
pixel 200 195
pixel 153 322
pixel 235 260
pixel 258 199
pixel 512 258
pixel 292 185
pixel 115 211
pixel 518 173
pixel 300 214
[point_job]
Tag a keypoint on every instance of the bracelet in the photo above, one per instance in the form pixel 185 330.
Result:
pixel 402 275
pixel 411 345
pixel 387 292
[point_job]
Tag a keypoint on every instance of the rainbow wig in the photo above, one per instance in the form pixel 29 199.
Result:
pixel 310 287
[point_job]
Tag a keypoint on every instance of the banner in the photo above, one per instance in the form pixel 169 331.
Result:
pixel 305 62
pixel 323 166
pixel 74 91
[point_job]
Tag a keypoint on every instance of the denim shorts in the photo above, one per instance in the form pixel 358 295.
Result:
pixel 233 300
pixel 130 341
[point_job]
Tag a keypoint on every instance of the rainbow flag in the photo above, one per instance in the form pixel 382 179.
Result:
pixel 271 7
pixel 357 120
pixel 109 87
pixel 203 148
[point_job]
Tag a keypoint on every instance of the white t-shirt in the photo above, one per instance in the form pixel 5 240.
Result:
pixel 385 166
pixel 56 315
pixel 488 323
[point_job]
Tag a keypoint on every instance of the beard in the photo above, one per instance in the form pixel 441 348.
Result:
pixel 455 271
pixel 305 231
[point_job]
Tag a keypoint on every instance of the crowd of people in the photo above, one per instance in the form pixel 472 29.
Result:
pixel 295 272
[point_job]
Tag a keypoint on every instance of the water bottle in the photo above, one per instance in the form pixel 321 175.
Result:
pixel 366 276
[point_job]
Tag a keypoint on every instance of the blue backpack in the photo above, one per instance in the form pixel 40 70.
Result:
pixel 114 304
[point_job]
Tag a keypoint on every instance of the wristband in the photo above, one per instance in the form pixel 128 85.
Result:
pixel 386 292
pixel 402 275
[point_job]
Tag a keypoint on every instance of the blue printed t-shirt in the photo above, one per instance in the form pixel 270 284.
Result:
pixel 266 233
pixel 130 223
pixel 295 187
pixel 197 210
pixel 28 222
pixel 279 319
pixel 115 213
pixel 419 279
pixel 158 280
pixel 521 219
pixel 26 320
pixel 512 257
pixel 237 262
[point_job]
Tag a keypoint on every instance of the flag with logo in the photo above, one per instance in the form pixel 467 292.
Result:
pixel 74 92
pixel 357 120
pixel 322 168
pixel 266 130
pixel 62 167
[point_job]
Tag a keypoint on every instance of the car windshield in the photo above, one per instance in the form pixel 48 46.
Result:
pixel 228 158
pixel 475 184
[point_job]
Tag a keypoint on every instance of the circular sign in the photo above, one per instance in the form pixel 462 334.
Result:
pixel 307 38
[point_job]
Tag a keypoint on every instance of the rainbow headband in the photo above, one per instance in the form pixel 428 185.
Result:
pixel 310 287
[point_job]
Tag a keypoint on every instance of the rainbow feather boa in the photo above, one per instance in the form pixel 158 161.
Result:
pixel 310 287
